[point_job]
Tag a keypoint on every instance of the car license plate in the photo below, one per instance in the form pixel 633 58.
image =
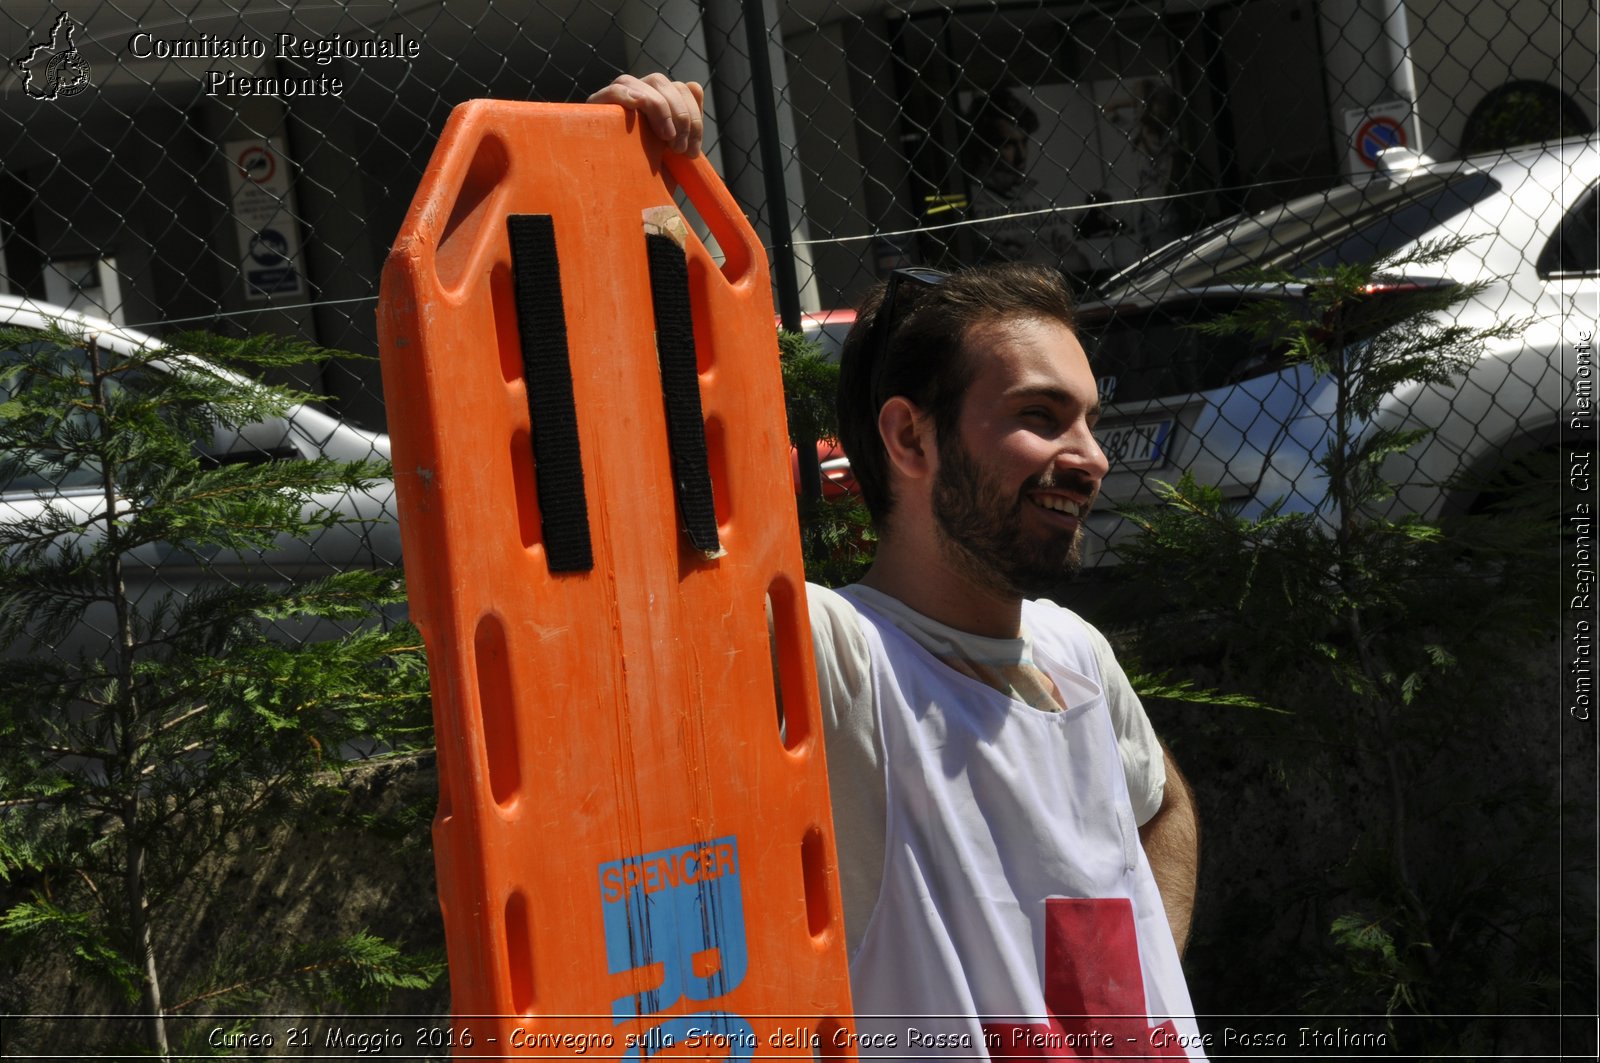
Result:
pixel 1140 445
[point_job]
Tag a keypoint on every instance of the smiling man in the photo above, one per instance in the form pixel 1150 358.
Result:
pixel 1004 811
pixel 1017 853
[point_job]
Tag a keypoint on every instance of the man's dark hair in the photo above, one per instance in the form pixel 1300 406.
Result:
pixel 924 358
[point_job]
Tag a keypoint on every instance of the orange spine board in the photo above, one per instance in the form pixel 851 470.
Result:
pixel 609 751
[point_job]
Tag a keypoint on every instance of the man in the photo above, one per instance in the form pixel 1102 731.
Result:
pixel 993 775
pixel 1018 224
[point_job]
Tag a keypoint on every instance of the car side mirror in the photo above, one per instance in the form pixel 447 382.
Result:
pixel 254 444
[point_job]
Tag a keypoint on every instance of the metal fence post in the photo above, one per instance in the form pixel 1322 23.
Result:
pixel 784 277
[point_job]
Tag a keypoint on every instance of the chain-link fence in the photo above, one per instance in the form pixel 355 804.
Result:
pixel 243 168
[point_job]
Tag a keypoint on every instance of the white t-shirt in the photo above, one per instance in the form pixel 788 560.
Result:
pixel 1017 909
pixel 855 746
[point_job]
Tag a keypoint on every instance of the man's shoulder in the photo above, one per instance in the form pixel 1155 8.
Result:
pixel 834 611
pixel 829 608
pixel 1055 617
pixel 835 624
pixel 844 669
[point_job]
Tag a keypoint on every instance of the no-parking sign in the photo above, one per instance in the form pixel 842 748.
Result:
pixel 1369 130
pixel 264 218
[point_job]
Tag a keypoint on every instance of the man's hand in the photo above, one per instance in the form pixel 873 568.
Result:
pixel 674 110
pixel 1172 845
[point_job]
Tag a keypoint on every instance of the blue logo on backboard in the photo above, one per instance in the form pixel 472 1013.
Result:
pixel 681 908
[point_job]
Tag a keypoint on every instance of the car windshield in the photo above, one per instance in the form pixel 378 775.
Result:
pixel 1154 352
pixel 33 470
pixel 1350 223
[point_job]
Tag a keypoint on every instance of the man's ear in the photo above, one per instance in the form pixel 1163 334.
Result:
pixel 907 435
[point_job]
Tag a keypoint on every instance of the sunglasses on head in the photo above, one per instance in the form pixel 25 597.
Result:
pixel 883 321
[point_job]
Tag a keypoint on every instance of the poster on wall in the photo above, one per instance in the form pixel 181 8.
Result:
pixel 1140 157
pixel 1023 154
pixel 1075 175
pixel 262 199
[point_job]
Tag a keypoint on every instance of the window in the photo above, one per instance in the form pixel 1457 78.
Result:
pixel 1574 247
pixel 1159 352
pixel 1522 112
pixel 1350 223
pixel 36 471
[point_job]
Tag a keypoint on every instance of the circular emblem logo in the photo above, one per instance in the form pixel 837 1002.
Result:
pixel 269 247
pixel 66 75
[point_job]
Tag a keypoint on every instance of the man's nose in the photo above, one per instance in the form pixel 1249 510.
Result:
pixel 1082 455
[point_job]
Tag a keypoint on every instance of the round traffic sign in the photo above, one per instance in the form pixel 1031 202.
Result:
pixel 258 164
pixel 1375 135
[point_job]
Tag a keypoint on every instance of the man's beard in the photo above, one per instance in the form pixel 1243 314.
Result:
pixel 982 534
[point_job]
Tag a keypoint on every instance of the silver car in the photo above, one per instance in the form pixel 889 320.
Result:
pixel 369 538
pixel 1234 415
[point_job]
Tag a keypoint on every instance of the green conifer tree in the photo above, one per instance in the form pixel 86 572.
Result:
pixel 835 533
pixel 1396 643
pixel 141 731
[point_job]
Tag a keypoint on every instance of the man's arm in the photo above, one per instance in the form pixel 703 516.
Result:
pixel 1172 844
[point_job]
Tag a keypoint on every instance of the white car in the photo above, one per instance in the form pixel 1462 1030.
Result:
pixel 1228 412
pixel 371 538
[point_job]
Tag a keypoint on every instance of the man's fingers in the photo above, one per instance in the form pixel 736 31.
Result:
pixel 623 90
pixel 672 109
pixel 683 101
pixel 697 124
